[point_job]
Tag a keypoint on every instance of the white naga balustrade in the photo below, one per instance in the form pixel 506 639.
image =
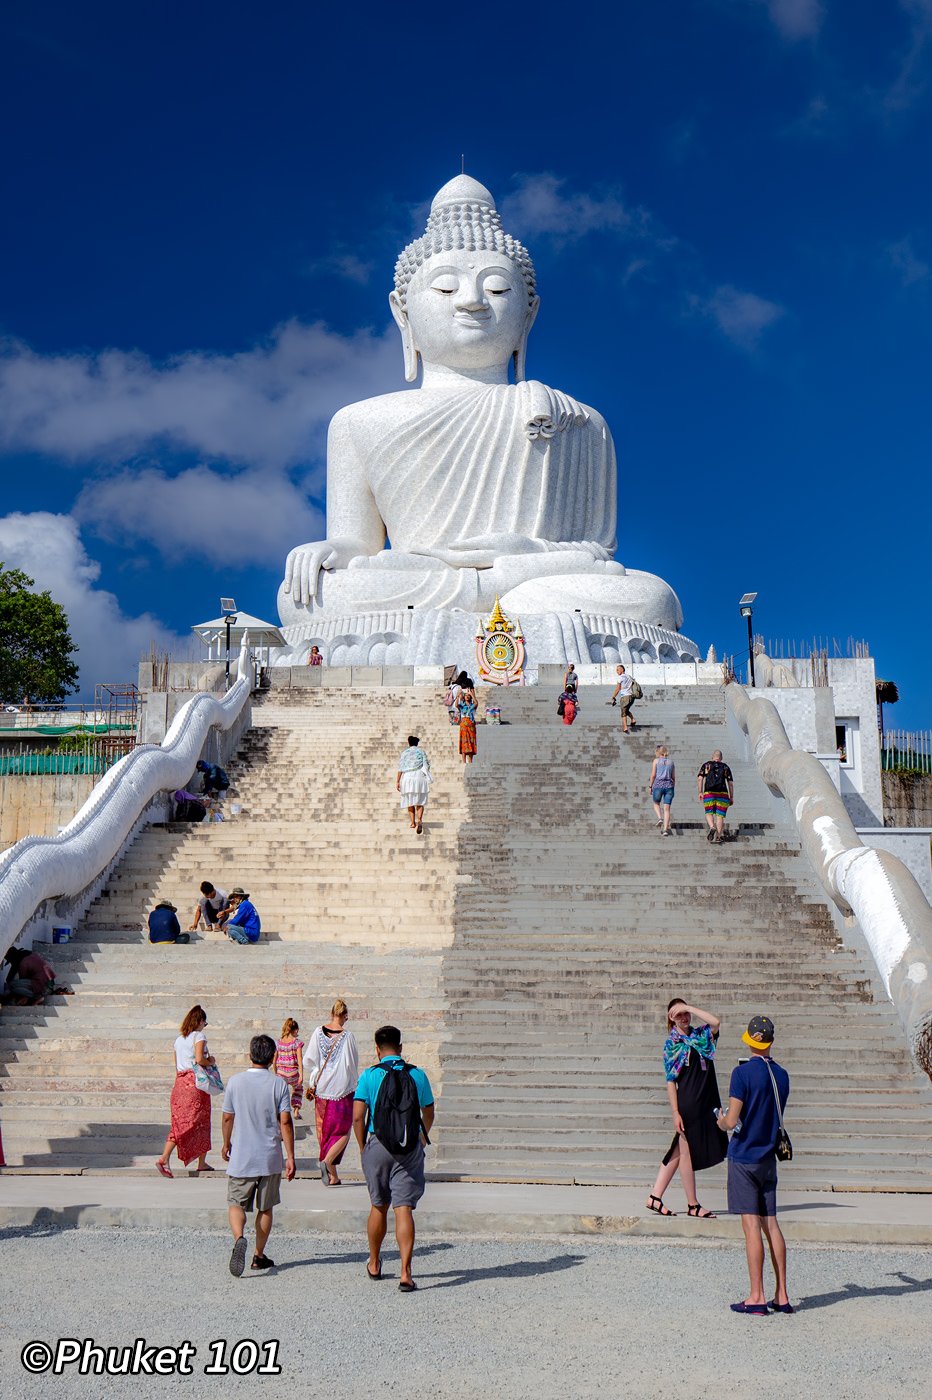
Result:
pixel 39 868
pixel 893 913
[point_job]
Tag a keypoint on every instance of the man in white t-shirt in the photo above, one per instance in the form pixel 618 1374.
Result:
pixel 209 907
pixel 624 688
pixel 256 1121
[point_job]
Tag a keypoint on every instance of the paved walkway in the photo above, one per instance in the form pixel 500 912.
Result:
pixel 146 1201
pixel 526 1319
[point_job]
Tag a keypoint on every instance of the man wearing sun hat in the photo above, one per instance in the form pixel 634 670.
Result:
pixel 754 1121
pixel 243 925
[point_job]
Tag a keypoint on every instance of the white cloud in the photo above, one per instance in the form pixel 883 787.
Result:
pixel 540 205
pixel 342 264
pixel 252 517
pixel 796 19
pixel 741 316
pixel 261 407
pixel 911 81
pixel 49 548
pixel 904 260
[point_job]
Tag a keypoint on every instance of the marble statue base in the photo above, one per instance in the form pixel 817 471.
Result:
pixel 447 636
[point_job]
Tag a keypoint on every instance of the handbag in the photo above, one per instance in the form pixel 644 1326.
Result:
pixel 784 1148
pixel 311 1090
pixel 207 1078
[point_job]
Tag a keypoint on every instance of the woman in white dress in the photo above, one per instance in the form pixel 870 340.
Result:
pixel 413 782
pixel 331 1069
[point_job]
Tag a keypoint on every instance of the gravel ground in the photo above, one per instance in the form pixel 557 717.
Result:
pixel 516 1318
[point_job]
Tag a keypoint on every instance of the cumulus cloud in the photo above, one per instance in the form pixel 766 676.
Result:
pixel 542 205
pixel 796 19
pixel 741 316
pixel 262 407
pixel 904 260
pixel 49 548
pixel 252 517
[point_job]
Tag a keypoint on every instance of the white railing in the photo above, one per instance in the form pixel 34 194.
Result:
pixel 893 913
pixel 907 749
pixel 41 868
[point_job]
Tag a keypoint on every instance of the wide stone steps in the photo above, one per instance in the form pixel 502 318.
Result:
pixel 527 944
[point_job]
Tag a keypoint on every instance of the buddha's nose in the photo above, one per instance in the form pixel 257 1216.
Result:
pixel 469 298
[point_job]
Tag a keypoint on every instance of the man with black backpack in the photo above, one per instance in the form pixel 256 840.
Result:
pixel 716 793
pixel 393 1112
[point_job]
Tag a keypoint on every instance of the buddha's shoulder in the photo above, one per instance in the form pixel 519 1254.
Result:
pixel 377 411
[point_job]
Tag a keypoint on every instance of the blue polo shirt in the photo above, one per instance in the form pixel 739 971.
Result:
pixel 371 1079
pixel 246 917
pixel 756 1139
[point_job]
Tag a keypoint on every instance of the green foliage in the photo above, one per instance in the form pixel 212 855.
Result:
pixel 35 644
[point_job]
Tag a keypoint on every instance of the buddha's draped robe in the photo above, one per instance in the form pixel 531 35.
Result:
pixel 464 466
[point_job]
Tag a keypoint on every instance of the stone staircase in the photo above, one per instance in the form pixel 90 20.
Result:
pixel 527 943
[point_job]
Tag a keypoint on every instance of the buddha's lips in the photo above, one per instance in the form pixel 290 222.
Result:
pixel 463 319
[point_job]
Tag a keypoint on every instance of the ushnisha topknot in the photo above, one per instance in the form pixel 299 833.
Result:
pixel 463 216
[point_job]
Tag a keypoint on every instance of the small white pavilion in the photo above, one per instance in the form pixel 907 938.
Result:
pixel 263 636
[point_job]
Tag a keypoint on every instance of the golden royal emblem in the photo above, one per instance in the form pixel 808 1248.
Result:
pixel 500 650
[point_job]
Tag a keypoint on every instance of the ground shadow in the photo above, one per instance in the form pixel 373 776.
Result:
pixel 851 1291
pixel 816 1205
pixel 361 1256
pixel 520 1268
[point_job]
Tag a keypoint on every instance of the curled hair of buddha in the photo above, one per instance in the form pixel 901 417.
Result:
pixel 194 1019
pixel 463 217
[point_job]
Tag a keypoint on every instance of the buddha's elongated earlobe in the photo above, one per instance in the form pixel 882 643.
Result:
pixel 520 353
pixel 407 336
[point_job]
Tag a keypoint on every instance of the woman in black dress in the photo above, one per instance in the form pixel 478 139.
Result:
pixel 692 1088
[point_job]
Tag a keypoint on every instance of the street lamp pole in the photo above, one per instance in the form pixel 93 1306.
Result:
pixel 746 608
pixel 228 609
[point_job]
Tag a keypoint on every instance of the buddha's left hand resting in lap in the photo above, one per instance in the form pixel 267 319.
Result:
pixel 483 487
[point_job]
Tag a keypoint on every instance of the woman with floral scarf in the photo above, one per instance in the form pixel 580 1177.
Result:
pixel 692 1088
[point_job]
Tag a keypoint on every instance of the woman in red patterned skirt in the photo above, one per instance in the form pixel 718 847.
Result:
pixel 190 1106
pixel 467 709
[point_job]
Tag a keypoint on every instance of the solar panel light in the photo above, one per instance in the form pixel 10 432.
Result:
pixel 228 606
pixel 745 604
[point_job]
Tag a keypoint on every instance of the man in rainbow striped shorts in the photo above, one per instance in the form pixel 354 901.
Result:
pixel 716 792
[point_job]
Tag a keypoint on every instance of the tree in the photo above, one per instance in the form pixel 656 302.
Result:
pixel 35 644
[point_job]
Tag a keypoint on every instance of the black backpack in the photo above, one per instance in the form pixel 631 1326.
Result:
pixel 396 1118
pixel 715 780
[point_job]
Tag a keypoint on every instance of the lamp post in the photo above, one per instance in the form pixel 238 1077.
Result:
pixel 228 609
pixel 746 608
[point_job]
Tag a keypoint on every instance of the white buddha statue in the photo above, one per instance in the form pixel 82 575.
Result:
pixel 484 488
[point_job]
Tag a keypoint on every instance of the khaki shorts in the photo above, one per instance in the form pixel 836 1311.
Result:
pixel 262 1191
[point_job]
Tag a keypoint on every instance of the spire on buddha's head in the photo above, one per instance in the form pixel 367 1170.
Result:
pixel 462 215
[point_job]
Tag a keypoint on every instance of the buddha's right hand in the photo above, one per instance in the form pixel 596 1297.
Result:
pixel 304 564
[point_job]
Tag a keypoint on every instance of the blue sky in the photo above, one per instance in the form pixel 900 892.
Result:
pixel 728 203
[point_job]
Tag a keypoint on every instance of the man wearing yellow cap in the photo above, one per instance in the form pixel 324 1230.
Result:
pixel 758 1093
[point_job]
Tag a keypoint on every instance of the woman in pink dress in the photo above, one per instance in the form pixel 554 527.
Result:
pixel 288 1064
pixel 332 1063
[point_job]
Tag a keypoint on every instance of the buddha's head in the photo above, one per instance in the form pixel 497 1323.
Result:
pixel 464 293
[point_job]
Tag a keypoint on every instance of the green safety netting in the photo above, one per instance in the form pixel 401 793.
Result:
pixel 45 764
pixel 62 730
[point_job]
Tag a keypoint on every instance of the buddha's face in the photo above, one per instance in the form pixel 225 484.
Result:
pixel 468 310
